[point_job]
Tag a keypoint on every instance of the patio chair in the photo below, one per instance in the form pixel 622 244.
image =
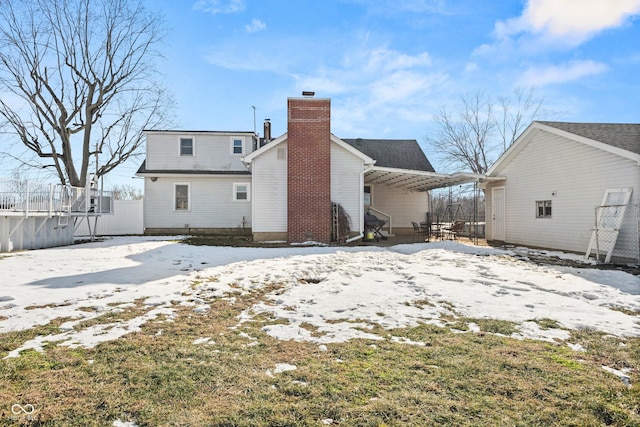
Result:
pixel 455 229
pixel 421 231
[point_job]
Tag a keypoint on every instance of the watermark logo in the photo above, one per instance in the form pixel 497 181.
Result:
pixel 18 409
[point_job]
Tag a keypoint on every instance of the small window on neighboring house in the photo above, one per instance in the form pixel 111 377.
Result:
pixel 241 192
pixel 237 146
pixel 181 197
pixel 186 146
pixel 543 209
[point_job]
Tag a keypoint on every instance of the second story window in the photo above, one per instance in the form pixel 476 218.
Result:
pixel 186 146
pixel 237 146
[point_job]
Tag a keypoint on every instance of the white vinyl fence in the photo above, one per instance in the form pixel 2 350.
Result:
pixel 126 219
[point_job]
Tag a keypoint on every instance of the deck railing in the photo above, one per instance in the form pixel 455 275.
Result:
pixel 32 197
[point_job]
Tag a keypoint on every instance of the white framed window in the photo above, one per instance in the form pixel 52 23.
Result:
pixel 181 196
pixel 241 192
pixel 186 146
pixel 543 209
pixel 237 145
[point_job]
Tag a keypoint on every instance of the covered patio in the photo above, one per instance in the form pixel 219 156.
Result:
pixel 412 181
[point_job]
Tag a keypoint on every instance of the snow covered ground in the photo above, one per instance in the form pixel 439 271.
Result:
pixel 339 291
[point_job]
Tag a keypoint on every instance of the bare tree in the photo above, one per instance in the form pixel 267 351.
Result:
pixel 484 127
pixel 126 192
pixel 78 79
pixel 516 113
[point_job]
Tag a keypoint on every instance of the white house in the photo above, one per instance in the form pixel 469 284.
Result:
pixel 555 177
pixel 289 188
pixel 195 181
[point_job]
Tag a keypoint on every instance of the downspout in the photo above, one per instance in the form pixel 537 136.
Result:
pixel 354 238
pixel 361 220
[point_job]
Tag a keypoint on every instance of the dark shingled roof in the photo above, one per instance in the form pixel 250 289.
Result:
pixel 393 153
pixel 620 135
pixel 143 169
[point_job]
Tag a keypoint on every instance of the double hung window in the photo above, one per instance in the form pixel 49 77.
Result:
pixel 186 146
pixel 181 197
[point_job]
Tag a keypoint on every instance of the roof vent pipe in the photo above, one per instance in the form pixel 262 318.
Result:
pixel 308 93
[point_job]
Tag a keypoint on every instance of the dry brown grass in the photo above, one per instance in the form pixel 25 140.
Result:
pixel 159 377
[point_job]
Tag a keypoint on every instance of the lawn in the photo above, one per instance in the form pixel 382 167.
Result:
pixel 144 332
pixel 205 370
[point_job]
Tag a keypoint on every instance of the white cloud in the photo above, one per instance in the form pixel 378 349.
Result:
pixel 368 82
pixel 471 67
pixel 389 60
pixel 542 76
pixel 220 6
pixel 569 21
pixel 255 26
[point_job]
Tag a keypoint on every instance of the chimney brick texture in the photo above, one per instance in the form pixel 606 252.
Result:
pixel 309 170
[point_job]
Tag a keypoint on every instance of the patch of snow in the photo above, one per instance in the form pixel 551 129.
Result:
pixel 341 292
pixel 622 374
pixel 284 367
pixel 203 340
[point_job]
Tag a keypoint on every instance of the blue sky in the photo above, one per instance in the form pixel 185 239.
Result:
pixel 390 65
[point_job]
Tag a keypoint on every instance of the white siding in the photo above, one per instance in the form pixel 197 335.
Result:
pixel 346 184
pixel 403 206
pixel 211 151
pixel 270 191
pixel 211 204
pixel 574 176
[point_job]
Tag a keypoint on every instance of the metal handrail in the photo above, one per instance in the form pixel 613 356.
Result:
pixel 384 214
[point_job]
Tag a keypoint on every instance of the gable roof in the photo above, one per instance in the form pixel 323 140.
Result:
pixel 249 157
pixel 616 138
pixel 393 153
pixel 621 135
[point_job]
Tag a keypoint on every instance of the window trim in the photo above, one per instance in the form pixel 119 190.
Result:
pixel 545 205
pixel 193 147
pixel 235 192
pixel 175 195
pixel 232 143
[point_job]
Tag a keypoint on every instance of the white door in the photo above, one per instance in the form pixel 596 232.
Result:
pixel 609 218
pixel 498 209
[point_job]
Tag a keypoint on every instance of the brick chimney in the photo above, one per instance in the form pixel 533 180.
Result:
pixel 309 170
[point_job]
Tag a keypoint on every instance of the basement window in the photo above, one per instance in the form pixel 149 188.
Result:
pixel 543 209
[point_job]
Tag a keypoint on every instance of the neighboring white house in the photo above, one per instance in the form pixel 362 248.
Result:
pixel 554 178
pixel 284 189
